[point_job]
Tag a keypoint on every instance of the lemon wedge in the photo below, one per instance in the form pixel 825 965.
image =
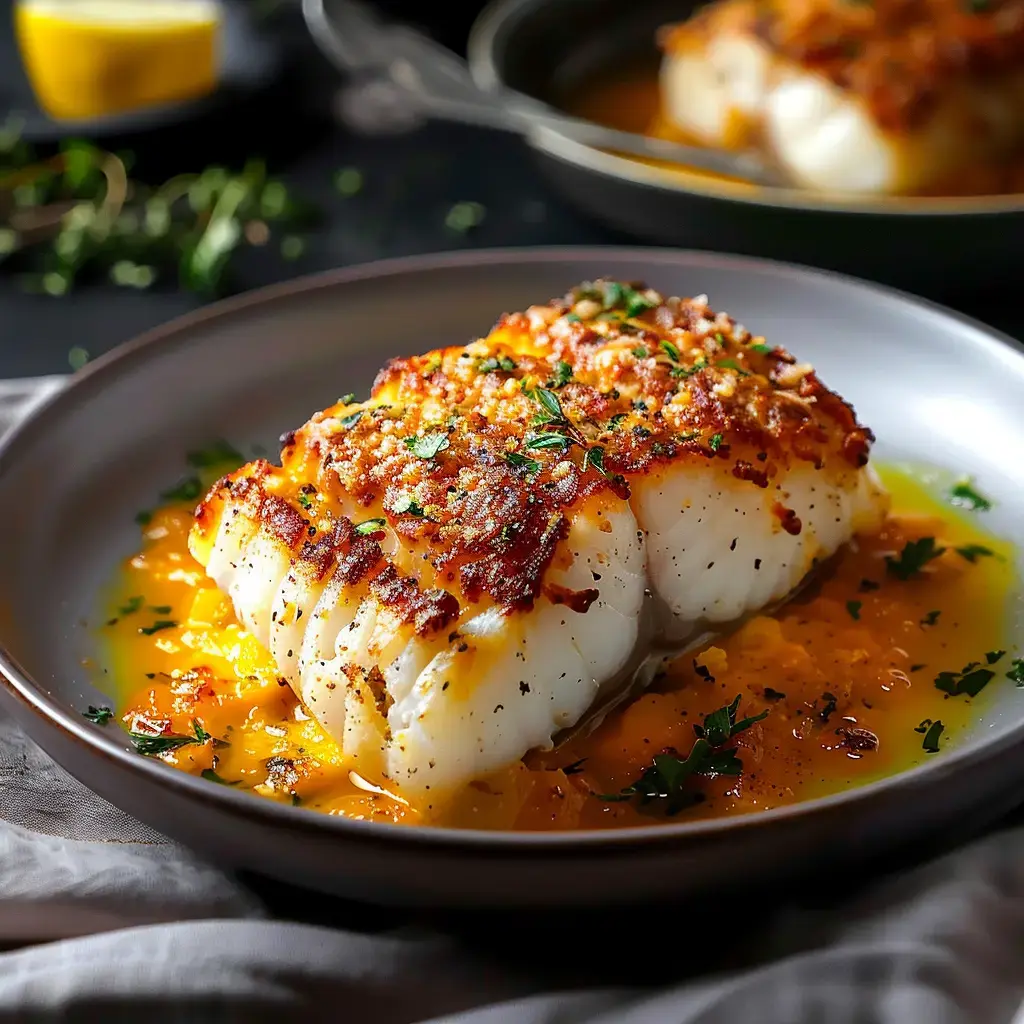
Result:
pixel 92 58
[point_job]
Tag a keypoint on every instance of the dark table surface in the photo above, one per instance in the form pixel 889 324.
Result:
pixel 411 181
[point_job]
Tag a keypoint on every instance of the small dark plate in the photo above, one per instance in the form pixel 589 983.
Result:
pixel 249 60
pixel 543 48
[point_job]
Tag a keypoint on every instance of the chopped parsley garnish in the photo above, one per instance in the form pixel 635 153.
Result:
pixel 572 318
pixel 218 454
pixel 637 304
pixel 731 364
pixel 770 694
pixel 930 743
pixel 641 352
pixel 1016 673
pixel 970 680
pixel 187 490
pixel 99 715
pixel 157 626
pixel 670 350
pixel 716 442
pixel 351 420
pixel 931 618
pixel 762 348
pixel 616 421
pixel 132 605
pixel 408 506
pixel 916 554
pixel 964 495
pixel 854 607
pixel 666 779
pixel 161 609
pixel 595 457
pixel 561 376
pixel 496 363
pixel 427 446
pixel 305 501
pixel 991 657
pixel 972 552
pixel 211 776
pixel 547 442
pixel 370 526
pixel 550 405
pixel 518 461
pixel 347 399
pixel 152 746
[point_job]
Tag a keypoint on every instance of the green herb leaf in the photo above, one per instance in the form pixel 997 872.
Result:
pixel 638 304
pixel 351 420
pixel 964 495
pixel 770 694
pixel 132 605
pixel 549 403
pixel 671 351
pixel 201 734
pixel 518 461
pixel 157 626
pixel 666 778
pixel 188 489
pixel 561 376
pixel 854 607
pixel 347 399
pixel 305 501
pixel 211 776
pixel 161 609
pixel 1016 673
pixel 495 363
pixel 716 442
pixel 972 552
pixel 547 442
pixel 428 446
pixel 370 526
pixel 991 657
pixel 762 348
pixel 930 743
pixel 617 420
pixel 219 453
pixel 641 352
pixel 408 506
pixel 916 554
pixel 970 680
pixel 153 746
pixel 99 715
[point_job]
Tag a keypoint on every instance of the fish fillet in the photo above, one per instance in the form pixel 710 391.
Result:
pixel 886 98
pixel 455 570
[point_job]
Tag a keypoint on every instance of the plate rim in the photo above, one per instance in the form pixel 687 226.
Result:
pixel 485 72
pixel 19 684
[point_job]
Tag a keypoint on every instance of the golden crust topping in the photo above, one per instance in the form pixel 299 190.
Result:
pixel 897 54
pixel 477 456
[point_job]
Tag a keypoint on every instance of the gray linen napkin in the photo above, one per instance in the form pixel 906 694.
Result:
pixel 119 924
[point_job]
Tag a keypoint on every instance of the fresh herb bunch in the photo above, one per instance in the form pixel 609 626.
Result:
pixel 78 216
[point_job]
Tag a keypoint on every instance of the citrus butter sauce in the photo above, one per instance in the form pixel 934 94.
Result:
pixel 864 674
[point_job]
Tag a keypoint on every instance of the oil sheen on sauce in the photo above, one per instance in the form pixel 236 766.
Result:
pixel 628 98
pixel 846 674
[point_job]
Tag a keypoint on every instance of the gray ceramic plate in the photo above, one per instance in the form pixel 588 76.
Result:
pixel 548 48
pixel 935 387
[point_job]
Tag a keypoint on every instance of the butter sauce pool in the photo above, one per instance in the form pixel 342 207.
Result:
pixel 838 688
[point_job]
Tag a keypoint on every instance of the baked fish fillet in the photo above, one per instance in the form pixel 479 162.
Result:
pixel 455 570
pixel 889 97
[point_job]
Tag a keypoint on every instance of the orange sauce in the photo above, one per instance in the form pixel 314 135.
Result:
pixel 628 98
pixel 846 673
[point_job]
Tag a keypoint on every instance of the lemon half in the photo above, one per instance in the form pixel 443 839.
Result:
pixel 93 58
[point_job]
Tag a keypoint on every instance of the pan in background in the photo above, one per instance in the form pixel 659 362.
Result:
pixel 547 49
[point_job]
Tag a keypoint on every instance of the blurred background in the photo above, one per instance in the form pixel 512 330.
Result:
pixel 114 220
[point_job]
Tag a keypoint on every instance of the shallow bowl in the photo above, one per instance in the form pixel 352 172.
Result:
pixel 935 387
